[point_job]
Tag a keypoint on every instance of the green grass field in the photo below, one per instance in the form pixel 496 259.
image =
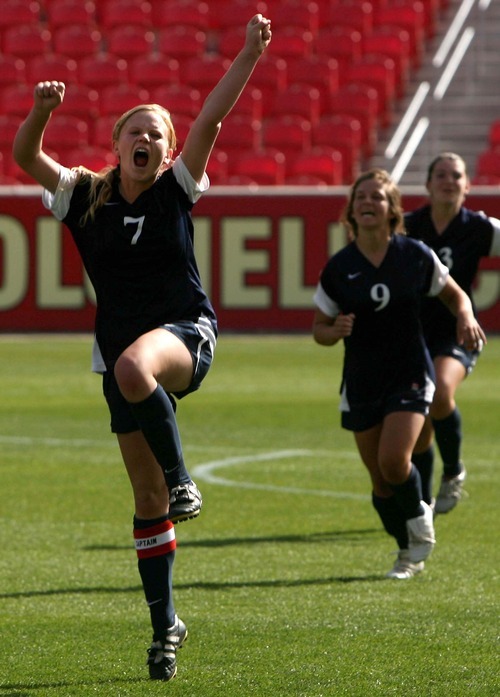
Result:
pixel 281 579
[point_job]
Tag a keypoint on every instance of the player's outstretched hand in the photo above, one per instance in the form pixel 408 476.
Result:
pixel 48 95
pixel 258 33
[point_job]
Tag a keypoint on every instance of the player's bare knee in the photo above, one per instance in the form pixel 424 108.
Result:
pixel 130 376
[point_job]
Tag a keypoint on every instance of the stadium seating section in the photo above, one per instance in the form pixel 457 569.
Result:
pixel 314 109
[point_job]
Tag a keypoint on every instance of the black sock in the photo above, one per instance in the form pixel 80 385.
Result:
pixel 424 462
pixel 155 546
pixel 392 518
pixel 156 418
pixel 409 495
pixel 449 439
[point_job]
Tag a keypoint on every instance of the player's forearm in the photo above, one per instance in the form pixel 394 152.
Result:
pixel 29 138
pixel 225 94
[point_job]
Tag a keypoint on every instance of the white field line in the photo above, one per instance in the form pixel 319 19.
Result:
pixel 205 472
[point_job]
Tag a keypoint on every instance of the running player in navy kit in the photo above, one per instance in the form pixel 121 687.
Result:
pixel 369 295
pixel 155 327
pixel 460 237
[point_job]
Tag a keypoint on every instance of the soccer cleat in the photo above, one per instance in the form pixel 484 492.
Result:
pixel 185 502
pixel 161 661
pixel 450 492
pixel 403 567
pixel 421 538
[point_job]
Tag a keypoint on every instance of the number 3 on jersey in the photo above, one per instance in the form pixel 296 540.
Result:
pixel 127 220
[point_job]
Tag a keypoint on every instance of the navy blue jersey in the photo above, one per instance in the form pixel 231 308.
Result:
pixel 386 351
pixel 140 259
pixel 467 238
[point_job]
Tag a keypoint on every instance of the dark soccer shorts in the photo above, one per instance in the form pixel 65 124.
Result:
pixel 360 417
pixel 199 337
pixel 449 348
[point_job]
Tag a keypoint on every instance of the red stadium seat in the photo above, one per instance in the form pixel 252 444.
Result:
pixel 315 71
pixel 129 41
pixel 222 15
pixel 289 134
pixel 361 102
pixel 12 70
pixel 263 168
pixel 342 43
pixel 26 41
pixel 342 132
pixel 393 43
pixel 92 157
pixel 17 12
pixel 152 71
pixel 60 13
pixel 486 180
pixel 292 42
pixel 102 132
pixel 192 13
pixel 249 103
pixel 378 72
pixel 66 132
pixel 239 132
pixel 114 13
pixel 77 41
pixel 80 100
pixel 116 99
pixel 9 124
pixel 204 72
pixel 494 135
pixel 182 123
pixel 217 168
pixel 353 15
pixel 309 180
pixel 230 40
pixel 16 99
pixel 270 76
pixel 296 13
pixel 180 100
pixel 102 70
pixel 297 100
pixel 181 42
pixel 52 66
pixel 325 164
pixel 410 16
pixel 488 163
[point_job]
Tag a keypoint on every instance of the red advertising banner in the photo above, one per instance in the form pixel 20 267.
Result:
pixel 259 253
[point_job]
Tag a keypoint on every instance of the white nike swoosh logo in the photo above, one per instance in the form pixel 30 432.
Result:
pixel 112 203
pixel 350 276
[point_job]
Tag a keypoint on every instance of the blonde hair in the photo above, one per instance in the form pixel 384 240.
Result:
pixel 396 220
pixel 101 183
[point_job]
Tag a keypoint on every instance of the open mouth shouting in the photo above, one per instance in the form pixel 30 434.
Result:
pixel 141 157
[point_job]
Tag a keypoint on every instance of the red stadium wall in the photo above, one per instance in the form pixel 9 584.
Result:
pixel 259 255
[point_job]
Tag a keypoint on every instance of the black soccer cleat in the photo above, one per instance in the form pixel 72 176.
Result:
pixel 185 502
pixel 162 657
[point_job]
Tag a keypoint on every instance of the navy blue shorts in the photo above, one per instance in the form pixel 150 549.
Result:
pixel 360 417
pixel 200 339
pixel 450 348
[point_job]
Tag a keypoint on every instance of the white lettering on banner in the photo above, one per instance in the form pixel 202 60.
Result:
pixel 237 262
pixel 292 291
pixel 51 293
pixel 14 262
pixel 337 238
pixel 487 290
